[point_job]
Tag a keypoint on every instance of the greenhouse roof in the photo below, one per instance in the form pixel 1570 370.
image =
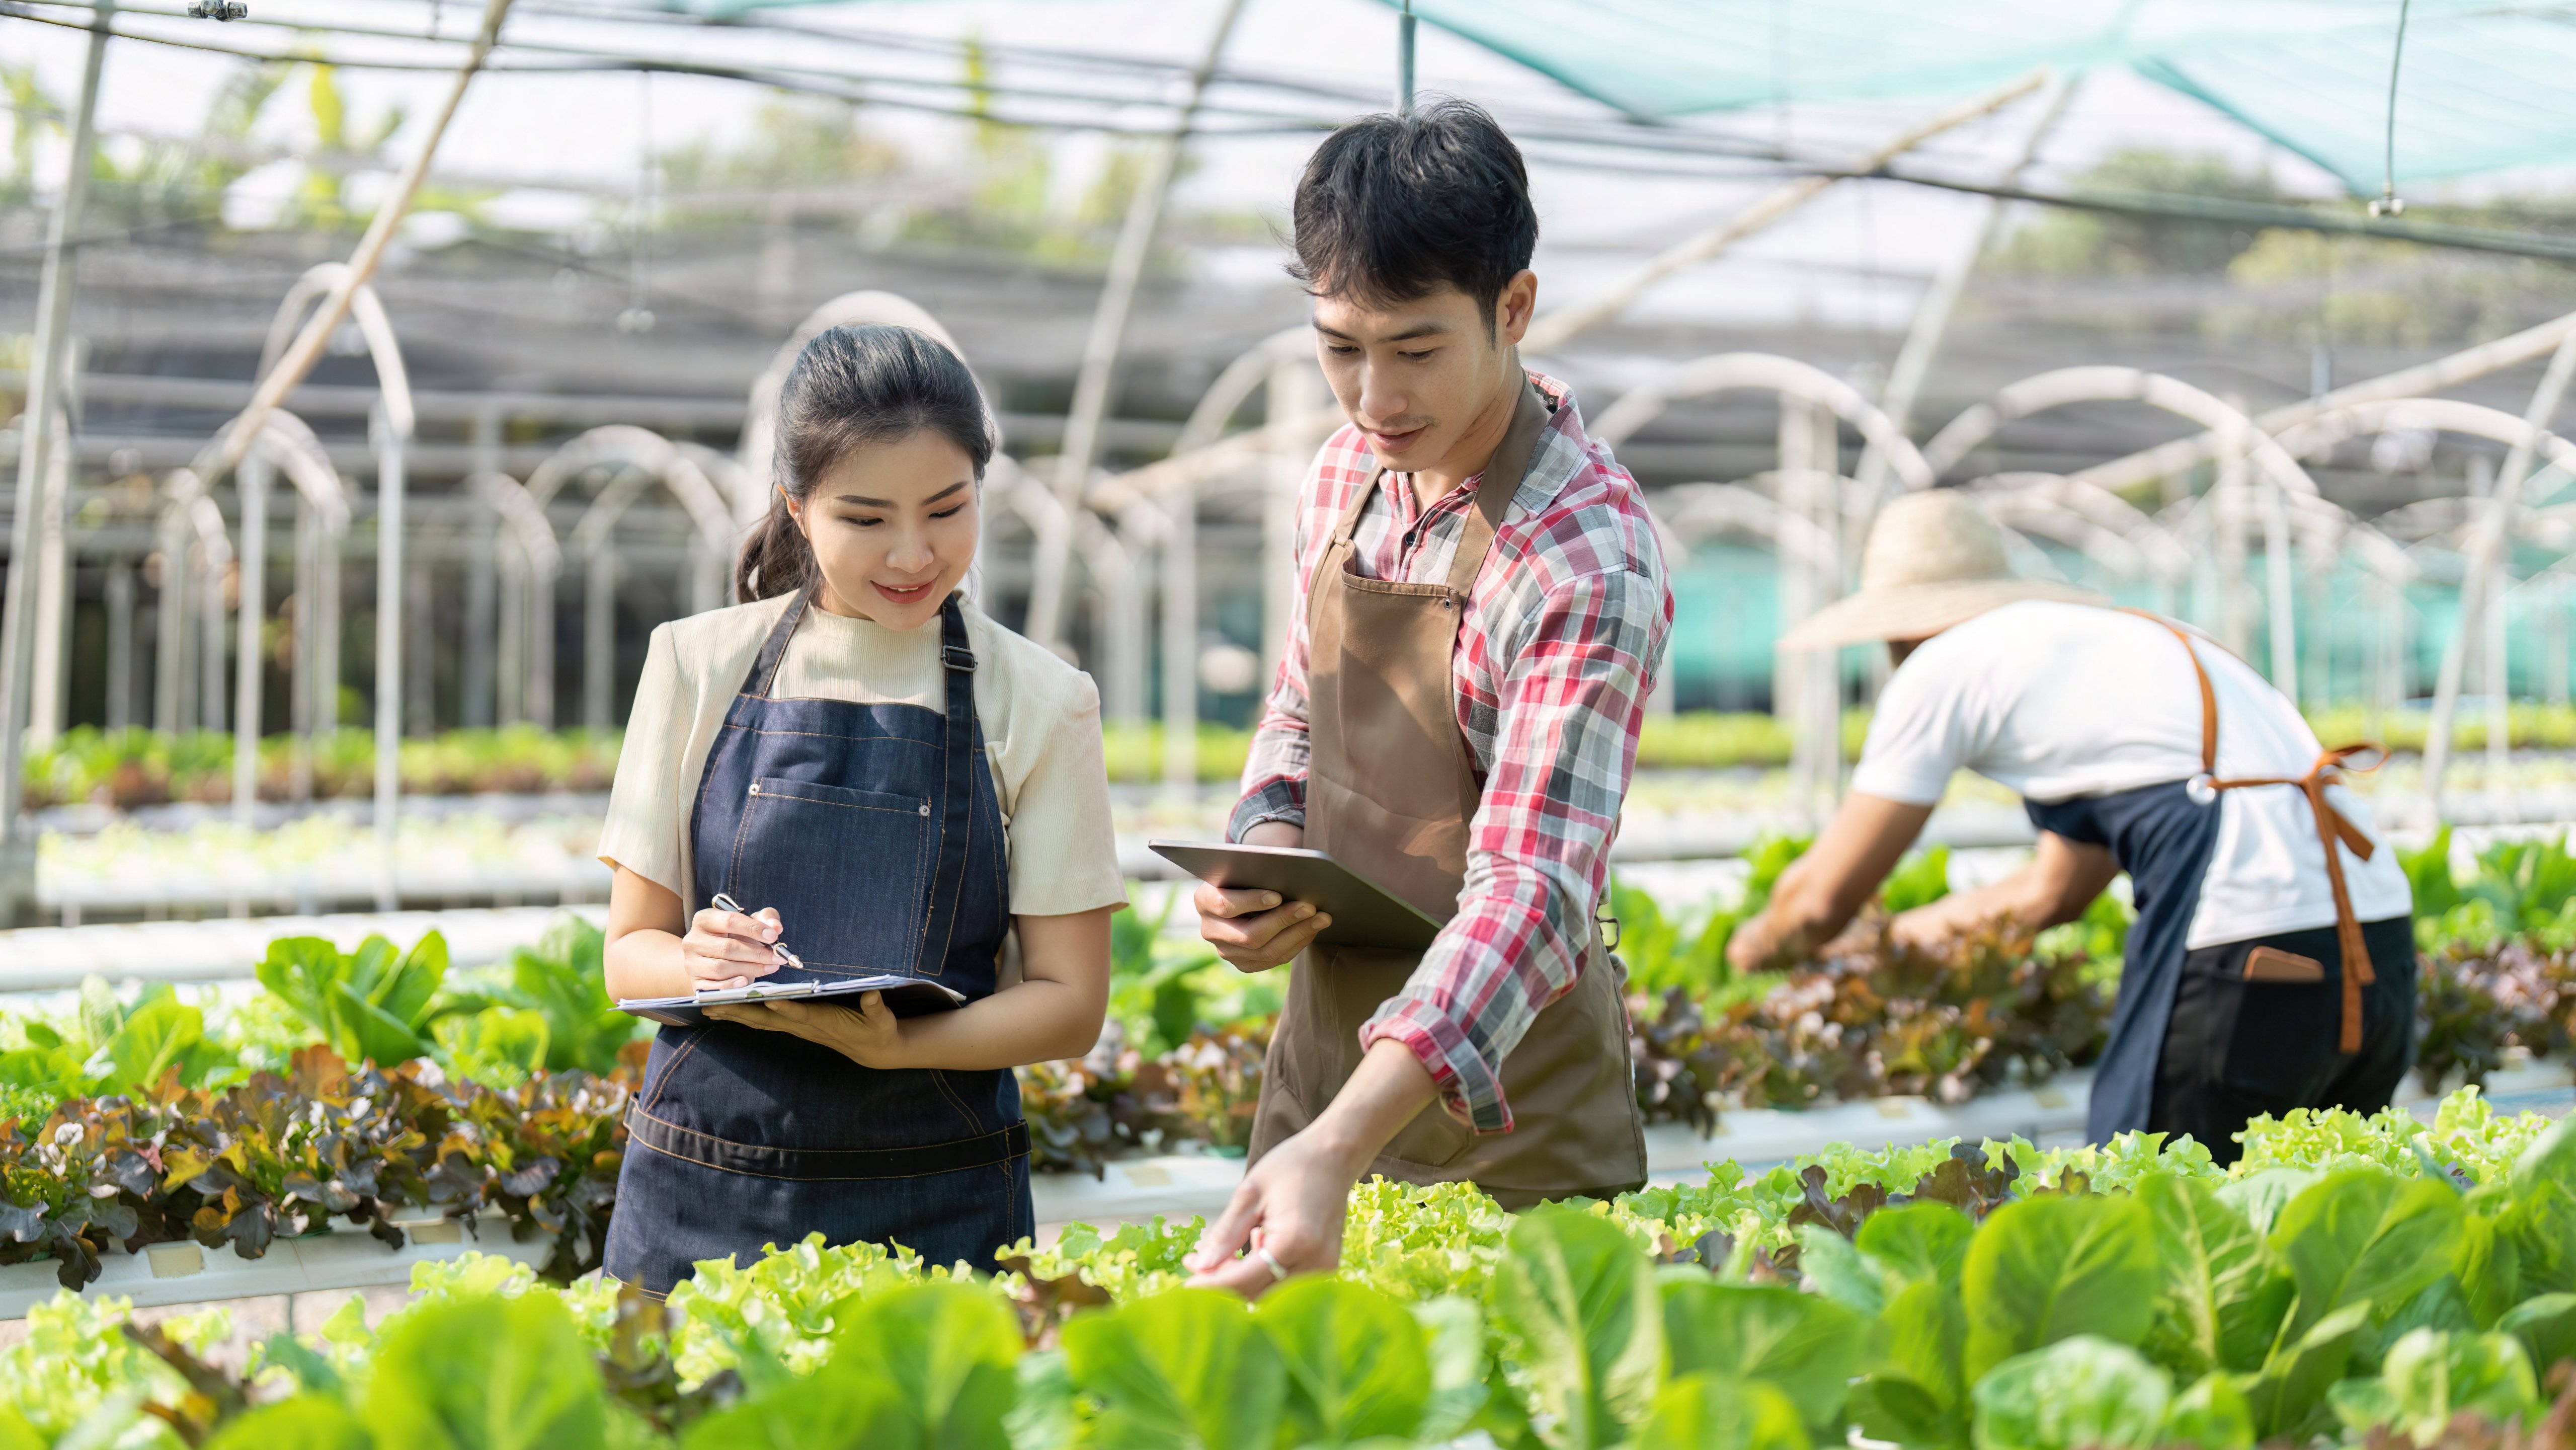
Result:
pixel 2483 85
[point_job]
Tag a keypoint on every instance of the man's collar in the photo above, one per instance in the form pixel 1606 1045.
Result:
pixel 1560 453
pixel 1562 449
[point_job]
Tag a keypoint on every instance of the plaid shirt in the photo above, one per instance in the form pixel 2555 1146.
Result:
pixel 1565 627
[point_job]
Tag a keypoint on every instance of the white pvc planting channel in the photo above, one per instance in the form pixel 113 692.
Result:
pixel 347 1257
pixel 54 958
pixel 1173 1187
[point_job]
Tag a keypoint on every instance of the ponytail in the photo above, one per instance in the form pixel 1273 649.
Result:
pixel 776 559
pixel 854 386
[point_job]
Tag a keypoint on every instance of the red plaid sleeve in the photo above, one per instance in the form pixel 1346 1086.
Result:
pixel 1570 710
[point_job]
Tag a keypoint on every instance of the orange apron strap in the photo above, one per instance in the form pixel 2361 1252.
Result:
pixel 2332 827
pixel 2208 693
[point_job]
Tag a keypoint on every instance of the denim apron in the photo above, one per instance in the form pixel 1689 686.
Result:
pixel 875 831
pixel 2163 835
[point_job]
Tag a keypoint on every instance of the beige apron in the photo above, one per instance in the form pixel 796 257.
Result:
pixel 1391 789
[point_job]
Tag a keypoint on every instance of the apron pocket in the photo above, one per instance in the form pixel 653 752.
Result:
pixel 2282 1047
pixel 856 861
pixel 1433 1139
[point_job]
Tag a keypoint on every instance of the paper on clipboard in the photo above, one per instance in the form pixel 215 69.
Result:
pixel 908 996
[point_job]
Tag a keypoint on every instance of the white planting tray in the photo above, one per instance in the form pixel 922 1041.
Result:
pixel 347 1257
pixel 1175 1186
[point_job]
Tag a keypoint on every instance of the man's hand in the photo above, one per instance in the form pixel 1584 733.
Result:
pixel 2055 886
pixel 1254 930
pixel 1290 1206
pixel 1821 891
pixel 1762 944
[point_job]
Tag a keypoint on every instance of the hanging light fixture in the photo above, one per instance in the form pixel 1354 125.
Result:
pixel 2389 203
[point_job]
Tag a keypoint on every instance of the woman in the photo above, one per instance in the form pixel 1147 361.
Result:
pixel 888 781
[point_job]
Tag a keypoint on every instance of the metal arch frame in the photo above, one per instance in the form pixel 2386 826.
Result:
pixel 1236 384
pixel 638 457
pixel 1119 564
pixel 1687 513
pixel 2063 387
pixel 290 443
pixel 392 430
pixel 2245 441
pixel 2444 415
pixel 2525 438
pixel 368 311
pixel 631 446
pixel 532 564
pixel 321 532
pixel 633 450
pixel 186 508
pixel 2091 515
pixel 1765 372
pixel 1267 364
pixel 2323 524
pixel 2034 510
pixel 285 442
pixel 2440 415
pixel 760 422
pixel 1029 499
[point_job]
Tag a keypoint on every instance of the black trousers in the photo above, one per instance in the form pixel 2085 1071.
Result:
pixel 2236 1049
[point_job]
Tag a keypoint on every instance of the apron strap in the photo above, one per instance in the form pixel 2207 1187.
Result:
pixel 2333 828
pixel 764 671
pixel 957 789
pixel 1511 460
pixel 1494 490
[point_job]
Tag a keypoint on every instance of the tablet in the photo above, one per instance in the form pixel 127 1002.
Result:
pixel 1364 914
pixel 908 996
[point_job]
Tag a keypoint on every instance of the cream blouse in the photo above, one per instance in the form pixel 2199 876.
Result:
pixel 1041 720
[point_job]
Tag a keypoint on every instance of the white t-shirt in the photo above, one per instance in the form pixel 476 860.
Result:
pixel 2061 700
pixel 1041 720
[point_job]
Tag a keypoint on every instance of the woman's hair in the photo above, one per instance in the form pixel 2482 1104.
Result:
pixel 851 387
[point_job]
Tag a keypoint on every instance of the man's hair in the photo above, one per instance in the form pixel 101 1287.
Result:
pixel 1391 207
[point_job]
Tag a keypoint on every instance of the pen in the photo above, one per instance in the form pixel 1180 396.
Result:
pixel 785 958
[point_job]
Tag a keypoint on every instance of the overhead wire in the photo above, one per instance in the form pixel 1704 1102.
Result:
pixel 1544 140
pixel 610 58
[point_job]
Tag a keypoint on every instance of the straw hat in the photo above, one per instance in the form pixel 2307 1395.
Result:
pixel 1933 560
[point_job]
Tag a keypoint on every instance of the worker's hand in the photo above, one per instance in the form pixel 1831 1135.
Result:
pixel 1286 1215
pixel 1257 930
pixel 1927 928
pixel 868 1034
pixel 1290 1205
pixel 728 949
pixel 1760 945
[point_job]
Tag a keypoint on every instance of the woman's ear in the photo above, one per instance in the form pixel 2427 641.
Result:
pixel 796 513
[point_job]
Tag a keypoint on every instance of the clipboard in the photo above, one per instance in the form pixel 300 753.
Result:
pixel 1364 913
pixel 908 996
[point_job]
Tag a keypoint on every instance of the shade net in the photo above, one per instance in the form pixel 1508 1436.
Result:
pixel 2484 86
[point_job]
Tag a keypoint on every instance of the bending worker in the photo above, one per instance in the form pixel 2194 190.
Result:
pixel 1480 605
pixel 2272 963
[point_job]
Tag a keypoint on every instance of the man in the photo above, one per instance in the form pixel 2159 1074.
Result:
pixel 2272 964
pixel 1480 608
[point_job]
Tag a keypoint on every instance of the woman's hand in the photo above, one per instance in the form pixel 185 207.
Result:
pixel 728 949
pixel 867 1034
